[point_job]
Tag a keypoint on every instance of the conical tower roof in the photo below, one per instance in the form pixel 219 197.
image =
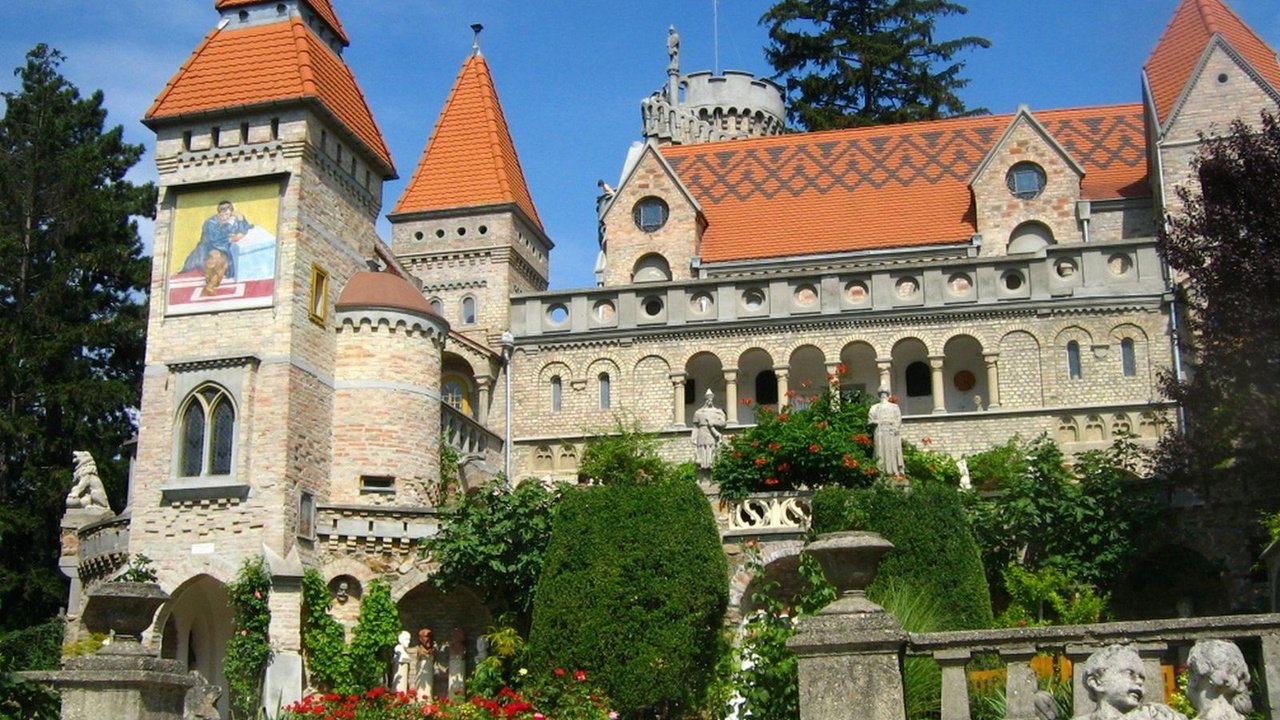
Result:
pixel 1193 27
pixel 470 160
pixel 239 68
pixel 323 8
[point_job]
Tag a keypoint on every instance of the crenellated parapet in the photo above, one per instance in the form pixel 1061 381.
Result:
pixel 712 108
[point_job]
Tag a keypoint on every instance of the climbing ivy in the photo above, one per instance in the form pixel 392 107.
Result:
pixel 323 639
pixel 249 648
pixel 375 637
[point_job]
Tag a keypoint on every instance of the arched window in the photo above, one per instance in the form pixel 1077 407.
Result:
pixel 1073 361
pixel 1030 237
pixel 605 400
pixel 1128 360
pixel 454 393
pixel 919 381
pixel 437 307
pixel 468 310
pixel 208 433
pixel 651 268
pixel 767 388
pixel 557 393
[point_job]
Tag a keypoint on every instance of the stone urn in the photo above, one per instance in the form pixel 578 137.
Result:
pixel 125 609
pixel 850 560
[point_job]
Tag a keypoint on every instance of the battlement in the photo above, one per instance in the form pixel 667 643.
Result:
pixel 710 108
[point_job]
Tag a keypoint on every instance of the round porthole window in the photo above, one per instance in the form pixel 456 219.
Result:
pixel 1119 264
pixel 1026 180
pixel 856 291
pixel 806 295
pixel 753 299
pixel 652 307
pixel 1012 280
pixel 557 314
pixel 605 311
pixel 650 213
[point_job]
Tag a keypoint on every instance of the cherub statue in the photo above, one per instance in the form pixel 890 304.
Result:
pixel 1114 677
pixel 1218 681
pixel 87 492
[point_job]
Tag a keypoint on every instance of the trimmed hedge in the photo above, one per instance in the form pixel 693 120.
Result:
pixel 934 548
pixel 634 591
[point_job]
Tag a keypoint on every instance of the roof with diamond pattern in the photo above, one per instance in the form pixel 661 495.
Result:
pixel 886 186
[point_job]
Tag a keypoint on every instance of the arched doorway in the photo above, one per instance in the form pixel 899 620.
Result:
pixel 196 624
pixel 457 620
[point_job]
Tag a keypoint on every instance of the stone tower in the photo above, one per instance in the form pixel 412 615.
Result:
pixel 270 171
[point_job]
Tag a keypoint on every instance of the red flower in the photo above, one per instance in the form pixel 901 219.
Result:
pixel 783 467
pixel 841 368
pixel 735 454
pixel 755 443
pixel 771 481
pixel 775 447
pixel 580 675
pixel 760 462
pixel 813 398
pixel 926 440
pixel 791 393
pixel 746 401
pixel 862 439
pixel 804 384
pixel 893 399
pixel 850 462
pixel 821 425
pixel 814 447
pixel 559 672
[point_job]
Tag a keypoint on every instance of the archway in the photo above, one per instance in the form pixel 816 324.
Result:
pixel 808 375
pixel 703 372
pixel 196 624
pixel 964 375
pixel 755 365
pixel 911 377
pixel 457 620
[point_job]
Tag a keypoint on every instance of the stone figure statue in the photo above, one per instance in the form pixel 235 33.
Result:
pixel 1114 678
pixel 342 593
pixel 201 701
pixel 400 681
pixel 1218 681
pixel 673 49
pixel 425 669
pixel 706 437
pixel 887 417
pixel 87 492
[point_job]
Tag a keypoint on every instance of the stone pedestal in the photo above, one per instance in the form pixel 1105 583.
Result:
pixel 120 687
pixel 850 653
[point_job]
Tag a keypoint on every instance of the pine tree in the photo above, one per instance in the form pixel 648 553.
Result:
pixel 849 63
pixel 72 318
pixel 1225 248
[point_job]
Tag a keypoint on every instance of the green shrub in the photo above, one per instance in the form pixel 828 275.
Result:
pixel 934 548
pixel 374 637
pixel 623 456
pixel 323 639
pixel 634 592
pixel 38 647
pixel 249 648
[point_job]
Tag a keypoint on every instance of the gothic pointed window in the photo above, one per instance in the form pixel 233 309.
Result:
pixel 207 438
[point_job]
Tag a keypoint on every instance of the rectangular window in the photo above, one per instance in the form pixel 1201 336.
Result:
pixel 377 485
pixel 275 128
pixel 557 388
pixel 244 133
pixel 306 516
pixel 215 136
pixel 1074 371
pixel 318 304
pixel 186 141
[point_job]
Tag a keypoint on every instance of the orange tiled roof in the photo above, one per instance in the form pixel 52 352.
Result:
pixel 887 186
pixel 1189 32
pixel 323 8
pixel 470 159
pixel 265 63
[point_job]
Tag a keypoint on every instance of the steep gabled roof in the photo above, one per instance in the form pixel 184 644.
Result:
pixel 881 187
pixel 1183 44
pixel 271 63
pixel 323 8
pixel 470 160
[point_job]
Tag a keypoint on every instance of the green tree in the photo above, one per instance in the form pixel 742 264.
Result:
pixel 1225 248
pixel 634 594
pixel 849 63
pixel 72 317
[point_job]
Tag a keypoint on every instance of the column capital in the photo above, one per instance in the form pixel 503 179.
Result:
pixel 678 377
pixel 936 361
pixel 730 374
pixel 990 358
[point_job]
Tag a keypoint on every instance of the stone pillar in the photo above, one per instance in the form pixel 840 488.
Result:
pixel 457 661
pixel 850 653
pixel 1152 653
pixel 937 383
pixel 484 386
pixel 1077 654
pixel 993 379
pixel 1020 684
pixel 677 391
pixel 731 395
pixel 283 683
pixel 780 372
pixel 1271 673
pixel 885 366
pixel 955 683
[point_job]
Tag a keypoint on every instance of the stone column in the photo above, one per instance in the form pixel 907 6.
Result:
pixel 484 386
pixel 731 395
pixel 955 683
pixel 1020 684
pixel 937 384
pixel 1077 654
pixel 885 366
pixel 780 372
pixel 1271 672
pixel 849 654
pixel 1152 653
pixel 993 379
pixel 283 683
pixel 457 661
pixel 677 390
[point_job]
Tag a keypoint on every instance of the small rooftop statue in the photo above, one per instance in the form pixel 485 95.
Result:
pixel 87 492
pixel 1114 677
pixel 673 49
pixel 1218 681
pixel 706 437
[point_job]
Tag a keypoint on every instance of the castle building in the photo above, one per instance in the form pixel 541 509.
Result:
pixel 998 273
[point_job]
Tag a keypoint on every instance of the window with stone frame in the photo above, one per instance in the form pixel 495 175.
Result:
pixel 557 393
pixel 1074 369
pixel 207 440
pixel 468 310
pixel 605 391
pixel 1128 358
pixel 318 302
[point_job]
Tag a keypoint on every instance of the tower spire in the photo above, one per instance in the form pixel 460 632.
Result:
pixel 475 39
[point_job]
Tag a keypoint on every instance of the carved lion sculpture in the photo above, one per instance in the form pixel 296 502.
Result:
pixel 87 492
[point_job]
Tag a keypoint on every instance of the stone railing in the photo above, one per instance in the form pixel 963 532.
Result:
pixel 104 546
pixel 1128 269
pixel 768 513
pixel 1154 640
pixel 468 437
pixel 373 528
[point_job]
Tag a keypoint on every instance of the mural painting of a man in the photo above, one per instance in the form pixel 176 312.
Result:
pixel 215 254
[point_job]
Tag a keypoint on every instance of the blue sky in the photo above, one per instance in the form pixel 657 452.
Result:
pixel 571 73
